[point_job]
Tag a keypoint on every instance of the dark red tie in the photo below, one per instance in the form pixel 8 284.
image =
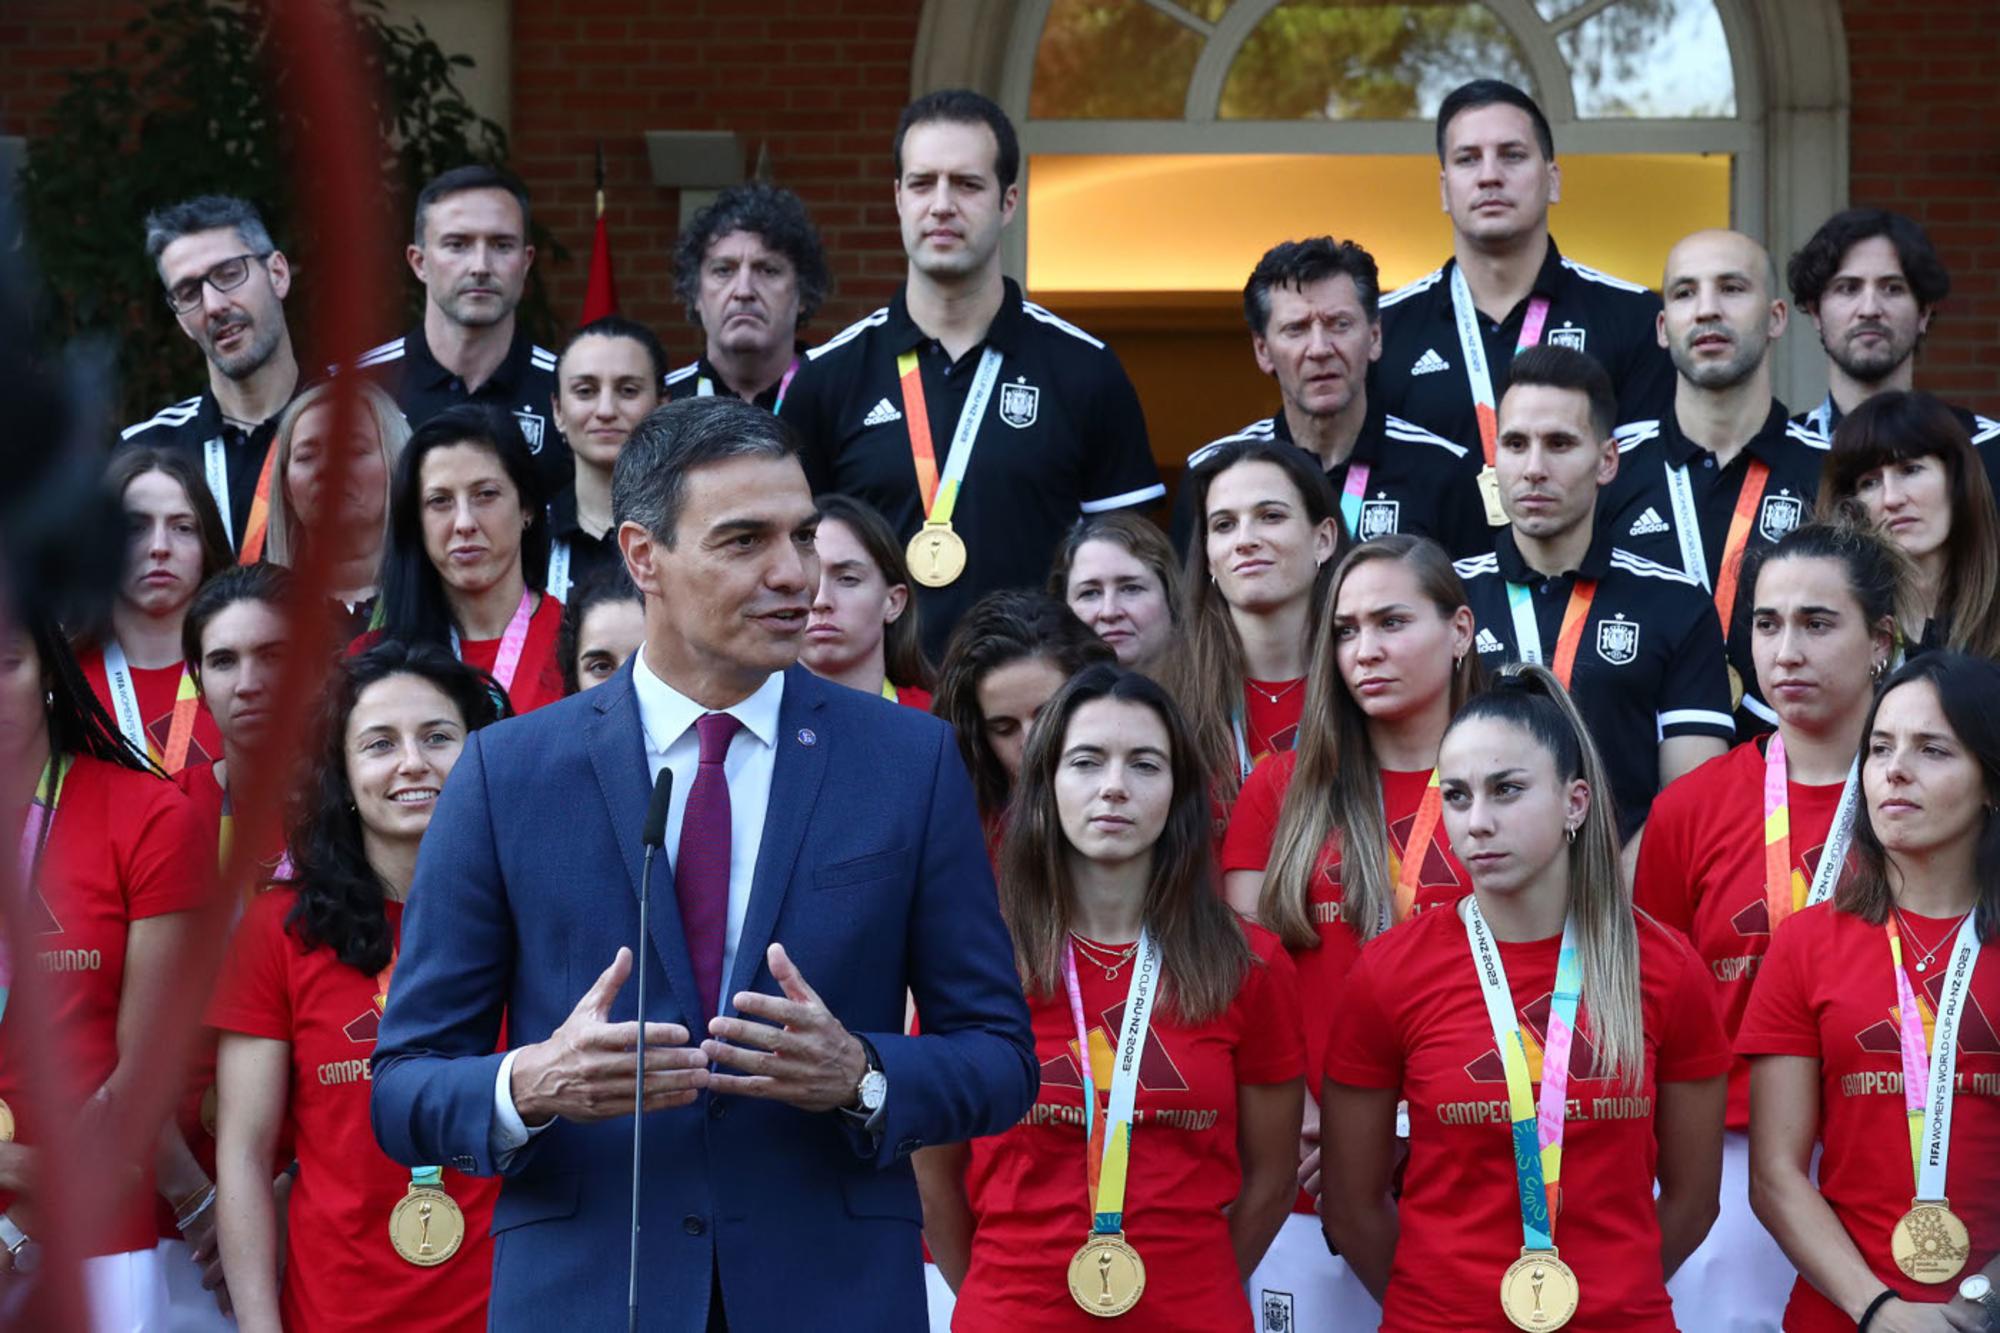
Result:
pixel 701 874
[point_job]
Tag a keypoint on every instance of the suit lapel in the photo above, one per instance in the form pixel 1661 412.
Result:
pixel 797 769
pixel 616 742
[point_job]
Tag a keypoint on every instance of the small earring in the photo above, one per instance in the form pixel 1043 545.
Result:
pixel 1876 669
pixel 1457 661
pixel 1570 829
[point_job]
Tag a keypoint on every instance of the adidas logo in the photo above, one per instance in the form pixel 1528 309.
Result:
pixel 882 414
pixel 1487 643
pixel 1649 524
pixel 1430 363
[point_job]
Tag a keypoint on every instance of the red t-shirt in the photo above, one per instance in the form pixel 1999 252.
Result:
pixel 340 1270
pixel 1272 726
pixel 1411 1018
pixel 913 696
pixel 537 678
pixel 1826 992
pixel 1027 1185
pixel 1701 871
pixel 123 847
pixel 157 688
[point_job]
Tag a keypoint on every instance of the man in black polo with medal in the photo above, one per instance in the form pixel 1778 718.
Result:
pixel 1448 337
pixel 980 424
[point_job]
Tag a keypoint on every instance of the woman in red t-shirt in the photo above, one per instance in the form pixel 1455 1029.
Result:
pixel 603 624
pixel 113 870
pixel 1822 605
pixel 1385 680
pixel 468 548
pixel 863 632
pixel 1874 1030
pixel 1117 571
pixel 173 542
pixel 1463 1012
pixel 1152 1203
pixel 368 1244
pixel 1256 582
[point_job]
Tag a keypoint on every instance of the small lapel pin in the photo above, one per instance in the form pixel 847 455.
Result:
pixel 807 737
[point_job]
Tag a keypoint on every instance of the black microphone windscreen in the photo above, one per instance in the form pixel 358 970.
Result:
pixel 655 833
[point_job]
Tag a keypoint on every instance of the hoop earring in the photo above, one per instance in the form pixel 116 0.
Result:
pixel 1570 829
pixel 1876 668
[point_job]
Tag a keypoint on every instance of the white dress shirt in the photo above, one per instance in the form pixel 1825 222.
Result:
pixel 667 717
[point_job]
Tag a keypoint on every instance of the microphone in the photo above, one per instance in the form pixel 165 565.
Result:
pixel 654 836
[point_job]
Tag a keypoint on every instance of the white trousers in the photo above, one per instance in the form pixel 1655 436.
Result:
pixel 190 1309
pixel 1299 1287
pixel 941 1299
pixel 126 1293
pixel 1738 1280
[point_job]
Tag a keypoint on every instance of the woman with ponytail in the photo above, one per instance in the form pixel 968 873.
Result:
pixel 1336 840
pixel 1546 970
pixel 1735 847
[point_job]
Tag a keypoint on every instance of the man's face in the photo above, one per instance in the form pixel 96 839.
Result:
pixel 1495 182
pixel 1719 317
pixel 1318 343
pixel 1550 461
pixel 749 297
pixel 237 330
pixel 949 197
pixel 474 257
pixel 729 600
pixel 1868 318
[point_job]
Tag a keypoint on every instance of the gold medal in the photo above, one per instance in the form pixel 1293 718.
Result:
pixel 1539 1291
pixel 6 1123
pixel 1735 689
pixel 936 555
pixel 1106 1277
pixel 1489 491
pixel 426 1226
pixel 1930 1244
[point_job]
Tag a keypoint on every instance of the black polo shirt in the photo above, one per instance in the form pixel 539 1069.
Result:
pixel 1418 482
pixel 700 379
pixel 1983 431
pixel 524 384
pixel 1062 436
pixel 1638 509
pixel 1421 374
pixel 187 427
pixel 1649 666
pixel 587 554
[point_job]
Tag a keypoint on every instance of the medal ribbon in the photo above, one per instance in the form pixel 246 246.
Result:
pixel 940 495
pixel 430 1176
pixel 508 661
pixel 558 579
pixel 1105 1167
pixel 1537 1129
pixel 1528 635
pixel 1755 479
pixel 1928 1073
pixel 1415 852
pixel 125 706
pixel 1782 896
pixel 1351 494
pixel 1687 526
pixel 35 829
pixel 1473 349
pixel 705 387
pixel 215 469
pixel 259 520
pixel 889 690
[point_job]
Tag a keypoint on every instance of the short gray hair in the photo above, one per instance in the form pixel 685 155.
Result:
pixel 206 212
pixel 649 485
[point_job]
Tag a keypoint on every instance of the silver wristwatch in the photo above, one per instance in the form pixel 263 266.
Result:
pixel 1980 1291
pixel 871 1092
pixel 24 1254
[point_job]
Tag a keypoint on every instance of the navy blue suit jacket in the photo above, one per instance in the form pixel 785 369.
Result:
pixel 873 875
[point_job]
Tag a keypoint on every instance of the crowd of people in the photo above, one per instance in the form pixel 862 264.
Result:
pixel 1391 847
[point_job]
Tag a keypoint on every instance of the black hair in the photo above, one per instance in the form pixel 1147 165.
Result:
pixel 261 582
pixel 1298 264
pixel 649 485
pixel 474 176
pixel 340 897
pixel 1875 569
pixel 134 461
pixel 773 213
pixel 78 722
pixel 1813 265
pixel 962 106
pixel 612 583
pixel 617 326
pixel 1493 92
pixel 413 605
pixel 1551 367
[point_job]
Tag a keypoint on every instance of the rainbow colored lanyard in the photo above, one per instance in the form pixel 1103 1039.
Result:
pixel 1528 634
pixel 1105 1165
pixel 507 663
pixel 1409 875
pixel 1478 377
pixel 125 705
pixel 35 829
pixel 1929 1070
pixel 1783 894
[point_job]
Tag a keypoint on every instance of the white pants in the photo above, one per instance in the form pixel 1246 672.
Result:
pixel 941 1299
pixel 190 1309
pixel 126 1292
pixel 1737 1280
pixel 1300 1287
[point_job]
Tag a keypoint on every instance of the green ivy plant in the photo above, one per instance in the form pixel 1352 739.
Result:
pixel 186 102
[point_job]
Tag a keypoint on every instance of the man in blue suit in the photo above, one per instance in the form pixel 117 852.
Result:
pixel 814 832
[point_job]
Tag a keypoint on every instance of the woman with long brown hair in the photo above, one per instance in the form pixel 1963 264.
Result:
pixel 1108 886
pixel 1118 573
pixel 1256 580
pixel 1339 839
pixel 1518 1209
pixel 864 631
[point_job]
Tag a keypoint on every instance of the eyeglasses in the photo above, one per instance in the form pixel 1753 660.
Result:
pixel 227 276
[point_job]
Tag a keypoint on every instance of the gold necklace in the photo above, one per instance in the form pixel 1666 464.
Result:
pixel 1111 959
pixel 1927 955
pixel 1270 697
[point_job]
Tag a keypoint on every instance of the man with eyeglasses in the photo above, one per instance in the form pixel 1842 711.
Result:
pixel 226 283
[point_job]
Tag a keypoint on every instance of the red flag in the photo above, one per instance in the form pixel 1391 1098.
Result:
pixel 600 296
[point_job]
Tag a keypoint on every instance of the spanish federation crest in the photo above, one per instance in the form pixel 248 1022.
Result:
pixel 1378 519
pixel 1019 404
pixel 531 429
pixel 1569 335
pixel 1779 515
pixel 1618 641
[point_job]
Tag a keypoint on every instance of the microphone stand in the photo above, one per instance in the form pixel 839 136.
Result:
pixel 654 836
